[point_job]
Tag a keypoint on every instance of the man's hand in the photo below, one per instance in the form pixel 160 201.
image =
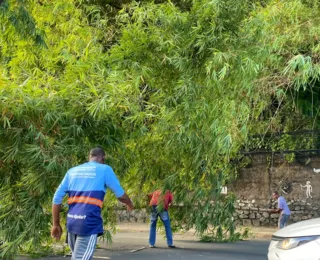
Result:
pixel 126 200
pixel 130 207
pixel 274 211
pixel 56 232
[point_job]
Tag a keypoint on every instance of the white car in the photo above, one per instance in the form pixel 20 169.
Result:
pixel 299 241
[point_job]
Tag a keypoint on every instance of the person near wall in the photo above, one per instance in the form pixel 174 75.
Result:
pixel 86 186
pixel 160 211
pixel 282 208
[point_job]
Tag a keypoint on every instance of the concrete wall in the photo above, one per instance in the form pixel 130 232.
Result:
pixel 265 174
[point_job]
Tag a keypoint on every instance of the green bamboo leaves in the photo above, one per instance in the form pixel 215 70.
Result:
pixel 172 90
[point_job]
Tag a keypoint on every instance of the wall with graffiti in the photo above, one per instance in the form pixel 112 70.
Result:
pixel 297 182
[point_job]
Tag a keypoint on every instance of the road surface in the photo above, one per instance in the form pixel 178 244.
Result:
pixel 134 246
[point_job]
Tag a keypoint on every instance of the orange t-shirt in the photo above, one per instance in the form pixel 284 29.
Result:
pixel 156 195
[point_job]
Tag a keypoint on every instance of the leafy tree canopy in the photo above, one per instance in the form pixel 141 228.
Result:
pixel 172 90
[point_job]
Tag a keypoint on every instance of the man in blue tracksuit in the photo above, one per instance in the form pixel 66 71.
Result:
pixel 86 186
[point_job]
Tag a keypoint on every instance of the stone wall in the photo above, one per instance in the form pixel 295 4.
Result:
pixel 255 185
pixel 249 213
pixel 137 215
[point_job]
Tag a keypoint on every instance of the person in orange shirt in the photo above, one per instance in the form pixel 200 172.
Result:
pixel 155 198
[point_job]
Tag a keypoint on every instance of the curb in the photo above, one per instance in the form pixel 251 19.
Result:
pixel 256 233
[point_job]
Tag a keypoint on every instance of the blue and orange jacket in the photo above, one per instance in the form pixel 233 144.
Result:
pixel 86 186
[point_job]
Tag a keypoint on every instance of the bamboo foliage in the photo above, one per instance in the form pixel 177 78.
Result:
pixel 171 90
pixel 16 18
pixel 51 116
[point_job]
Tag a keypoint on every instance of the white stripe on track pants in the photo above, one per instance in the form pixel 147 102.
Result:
pixel 82 247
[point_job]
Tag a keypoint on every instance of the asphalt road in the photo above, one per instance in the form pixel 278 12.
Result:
pixel 188 248
pixel 134 246
pixel 237 251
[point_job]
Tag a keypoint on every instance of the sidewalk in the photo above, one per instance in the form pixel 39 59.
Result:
pixel 256 233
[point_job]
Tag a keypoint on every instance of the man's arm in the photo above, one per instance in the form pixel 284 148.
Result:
pixel 113 183
pixel 56 214
pixel 56 230
pixel 280 207
pixel 275 210
pixel 126 200
pixel 170 198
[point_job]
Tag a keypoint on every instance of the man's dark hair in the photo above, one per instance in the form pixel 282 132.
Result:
pixel 98 151
pixel 276 192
